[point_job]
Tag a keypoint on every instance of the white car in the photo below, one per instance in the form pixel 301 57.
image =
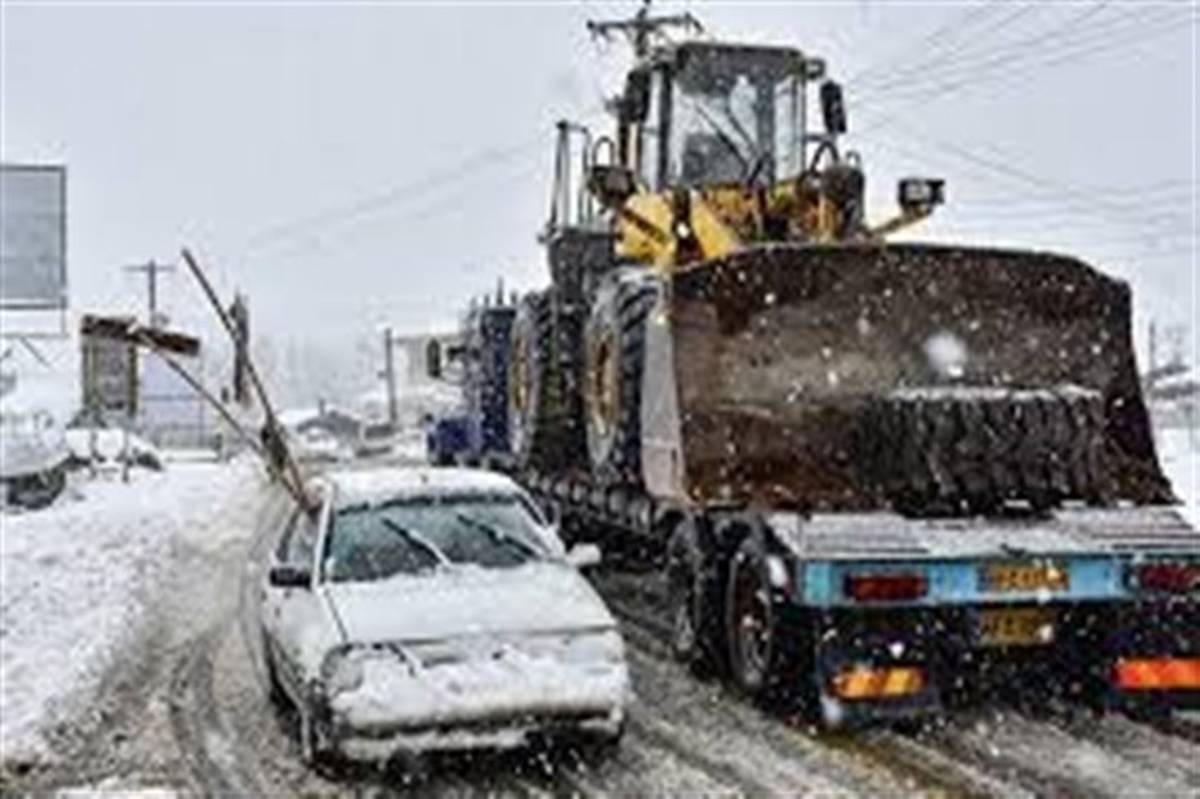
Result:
pixel 423 609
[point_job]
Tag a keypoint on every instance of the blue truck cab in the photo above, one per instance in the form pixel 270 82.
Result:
pixel 479 363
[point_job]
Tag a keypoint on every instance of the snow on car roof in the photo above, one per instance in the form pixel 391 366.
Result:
pixel 356 486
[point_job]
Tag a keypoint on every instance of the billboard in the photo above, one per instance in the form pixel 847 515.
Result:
pixel 109 374
pixel 33 236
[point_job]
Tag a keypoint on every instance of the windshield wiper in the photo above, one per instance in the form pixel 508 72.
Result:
pixel 416 539
pixel 500 535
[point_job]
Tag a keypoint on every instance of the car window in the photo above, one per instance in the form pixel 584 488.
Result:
pixel 297 545
pixel 416 534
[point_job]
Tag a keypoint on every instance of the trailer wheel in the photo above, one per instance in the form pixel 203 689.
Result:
pixel 693 601
pixel 758 649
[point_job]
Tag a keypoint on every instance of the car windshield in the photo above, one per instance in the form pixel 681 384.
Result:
pixel 413 535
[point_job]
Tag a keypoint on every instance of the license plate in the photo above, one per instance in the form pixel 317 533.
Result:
pixel 1019 577
pixel 1016 626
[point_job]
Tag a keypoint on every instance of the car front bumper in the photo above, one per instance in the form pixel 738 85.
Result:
pixel 395 714
pixel 383 743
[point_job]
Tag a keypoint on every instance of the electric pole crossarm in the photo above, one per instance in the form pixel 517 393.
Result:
pixel 151 270
pixel 642 26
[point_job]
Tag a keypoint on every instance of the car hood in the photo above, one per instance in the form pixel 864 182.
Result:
pixel 538 597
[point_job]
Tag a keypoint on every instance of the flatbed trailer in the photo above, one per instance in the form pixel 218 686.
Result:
pixel 873 474
pixel 876 616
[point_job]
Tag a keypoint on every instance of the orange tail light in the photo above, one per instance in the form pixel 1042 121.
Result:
pixel 884 683
pixel 1157 674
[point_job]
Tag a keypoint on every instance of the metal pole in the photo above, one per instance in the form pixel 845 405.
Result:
pixel 293 470
pixel 151 268
pixel 152 279
pixel 389 375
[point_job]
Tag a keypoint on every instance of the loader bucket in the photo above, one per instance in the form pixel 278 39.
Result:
pixel 932 379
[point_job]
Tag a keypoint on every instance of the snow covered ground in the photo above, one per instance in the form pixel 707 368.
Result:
pixel 1179 452
pixel 74 580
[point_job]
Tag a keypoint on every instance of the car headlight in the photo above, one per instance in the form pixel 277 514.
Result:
pixel 342 670
pixel 603 647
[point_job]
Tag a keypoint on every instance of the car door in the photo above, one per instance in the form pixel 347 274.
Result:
pixel 291 611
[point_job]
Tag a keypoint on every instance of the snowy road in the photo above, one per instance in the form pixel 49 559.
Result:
pixel 184 710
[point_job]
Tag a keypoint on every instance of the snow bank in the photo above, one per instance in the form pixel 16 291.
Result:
pixel 1179 453
pixel 109 446
pixel 74 580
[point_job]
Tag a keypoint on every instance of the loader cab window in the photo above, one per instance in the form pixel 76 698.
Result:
pixel 735 117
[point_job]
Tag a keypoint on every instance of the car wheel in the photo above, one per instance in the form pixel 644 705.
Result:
pixel 275 693
pixel 314 748
pixel 593 746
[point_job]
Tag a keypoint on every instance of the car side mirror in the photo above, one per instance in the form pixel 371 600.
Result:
pixel 433 359
pixel 583 556
pixel 284 576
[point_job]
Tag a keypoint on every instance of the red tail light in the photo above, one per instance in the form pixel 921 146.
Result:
pixel 1174 578
pixel 1157 674
pixel 885 587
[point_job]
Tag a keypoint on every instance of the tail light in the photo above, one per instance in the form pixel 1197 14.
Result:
pixel 881 683
pixel 885 587
pixel 1157 674
pixel 1168 577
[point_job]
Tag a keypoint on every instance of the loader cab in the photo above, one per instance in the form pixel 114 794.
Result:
pixel 702 114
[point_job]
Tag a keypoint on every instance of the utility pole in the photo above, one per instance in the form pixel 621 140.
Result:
pixel 389 377
pixel 151 269
pixel 1152 354
pixel 239 315
pixel 641 26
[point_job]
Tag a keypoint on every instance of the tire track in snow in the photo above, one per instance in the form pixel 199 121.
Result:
pixel 1186 727
pixel 1161 761
pixel 1047 759
pixel 641 767
pixel 1139 743
pixel 793 755
pixel 909 765
pixel 202 737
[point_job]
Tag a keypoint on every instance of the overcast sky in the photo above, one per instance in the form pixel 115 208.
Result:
pixel 354 165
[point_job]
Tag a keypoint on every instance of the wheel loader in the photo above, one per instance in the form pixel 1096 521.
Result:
pixel 873 476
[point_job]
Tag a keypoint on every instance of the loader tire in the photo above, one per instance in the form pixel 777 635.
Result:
pixel 615 351
pixel 545 431
pixel 976 451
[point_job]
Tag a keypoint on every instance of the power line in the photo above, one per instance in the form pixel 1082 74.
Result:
pixel 403 193
pixel 938 68
pixel 411 191
pixel 1005 168
pixel 1013 69
pixel 935 60
pixel 937 38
